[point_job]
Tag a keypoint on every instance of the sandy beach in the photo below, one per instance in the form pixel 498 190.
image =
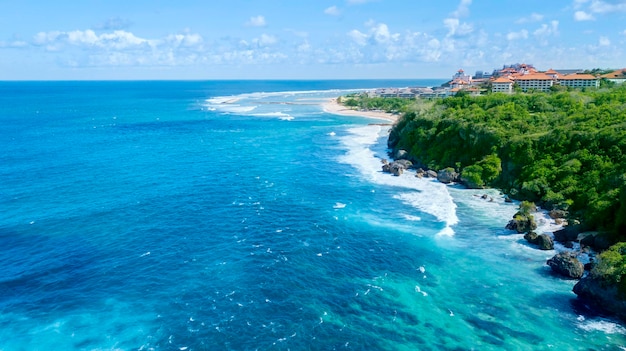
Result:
pixel 331 106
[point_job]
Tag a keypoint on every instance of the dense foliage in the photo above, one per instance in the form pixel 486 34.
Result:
pixel 391 105
pixel 562 149
pixel 611 268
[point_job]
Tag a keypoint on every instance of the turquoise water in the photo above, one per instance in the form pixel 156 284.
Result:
pixel 238 215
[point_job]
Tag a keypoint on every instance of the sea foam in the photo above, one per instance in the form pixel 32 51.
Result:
pixel 426 195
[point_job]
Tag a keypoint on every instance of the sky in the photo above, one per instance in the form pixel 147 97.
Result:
pixel 303 39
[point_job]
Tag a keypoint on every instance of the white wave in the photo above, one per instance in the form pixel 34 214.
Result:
pixel 236 108
pixel 428 196
pixel 339 205
pixel 411 218
pixel 602 325
pixel 271 114
pixel 223 100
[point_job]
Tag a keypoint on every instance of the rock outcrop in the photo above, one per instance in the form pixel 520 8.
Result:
pixel 531 237
pixel 545 242
pixel 447 175
pixel 522 224
pixel 396 167
pixel 603 296
pixel 566 264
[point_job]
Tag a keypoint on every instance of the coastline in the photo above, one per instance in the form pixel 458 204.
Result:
pixel 332 106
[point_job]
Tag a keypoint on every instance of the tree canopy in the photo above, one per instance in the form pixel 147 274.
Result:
pixel 561 149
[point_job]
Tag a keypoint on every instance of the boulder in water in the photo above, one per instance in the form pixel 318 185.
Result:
pixel 566 264
pixel 545 242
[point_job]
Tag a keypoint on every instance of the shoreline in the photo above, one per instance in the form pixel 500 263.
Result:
pixel 332 106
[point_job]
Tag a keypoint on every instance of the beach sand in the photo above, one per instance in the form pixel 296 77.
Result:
pixel 331 106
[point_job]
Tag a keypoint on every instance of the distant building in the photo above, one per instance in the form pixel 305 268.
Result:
pixel 534 81
pixel 579 81
pixel 618 77
pixel 502 85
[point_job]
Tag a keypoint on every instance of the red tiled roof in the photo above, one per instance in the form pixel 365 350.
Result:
pixel 578 76
pixel 534 76
pixel 620 73
pixel 503 80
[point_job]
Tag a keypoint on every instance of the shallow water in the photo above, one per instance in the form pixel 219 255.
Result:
pixel 239 215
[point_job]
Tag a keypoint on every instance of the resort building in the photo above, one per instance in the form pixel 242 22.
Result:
pixel 618 77
pixel 579 81
pixel 534 81
pixel 502 85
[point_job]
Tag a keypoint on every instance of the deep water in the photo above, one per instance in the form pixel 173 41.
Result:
pixel 238 215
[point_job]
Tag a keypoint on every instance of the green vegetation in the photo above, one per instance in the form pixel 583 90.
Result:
pixel 611 268
pixel 390 105
pixel 562 149
pixel 565 149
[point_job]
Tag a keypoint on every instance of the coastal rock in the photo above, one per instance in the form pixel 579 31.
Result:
pixel 587 238
pixel 569 233
pixel 567 265
pixel 419 173
pixel 521 223
pixel 545 242
pixel 396 167
pixel 602 242
pixel 431 174
pixel 603 296
pixel 405 163
pixel 401 155
pixel 447 175
pixel 531 237
pixel 554 214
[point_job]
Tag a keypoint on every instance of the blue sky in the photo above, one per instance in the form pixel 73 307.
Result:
pixel 303 39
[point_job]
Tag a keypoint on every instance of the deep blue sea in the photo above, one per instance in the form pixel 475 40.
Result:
pixel 238 215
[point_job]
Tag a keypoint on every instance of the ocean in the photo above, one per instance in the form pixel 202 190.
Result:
pixel 238 215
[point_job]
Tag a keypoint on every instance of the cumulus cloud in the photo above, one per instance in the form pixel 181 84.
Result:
pixel 358 37
pixel 456 28
pixel 599 6
pixel 534 17
pixel 256 21
pixel 453 23
pixel 116 40
pixel 463 9
pixel 545 31
pixel 604 41
pixel 523 34
pixel 332 11
pixel 583 16
pixel 266 40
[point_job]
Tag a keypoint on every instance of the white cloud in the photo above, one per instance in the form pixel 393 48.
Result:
pixel 463 9
pixel 583 16
pixel 381 34
pixel 185 40
pixel 266 40
pixel 534 17
pixel 116 40
pixel 547 30
pixel 599 6
pixel 604 41
pixel 456 28
pixel 523 34
pixel 358 37
pixel 332 11
pixel 256 21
